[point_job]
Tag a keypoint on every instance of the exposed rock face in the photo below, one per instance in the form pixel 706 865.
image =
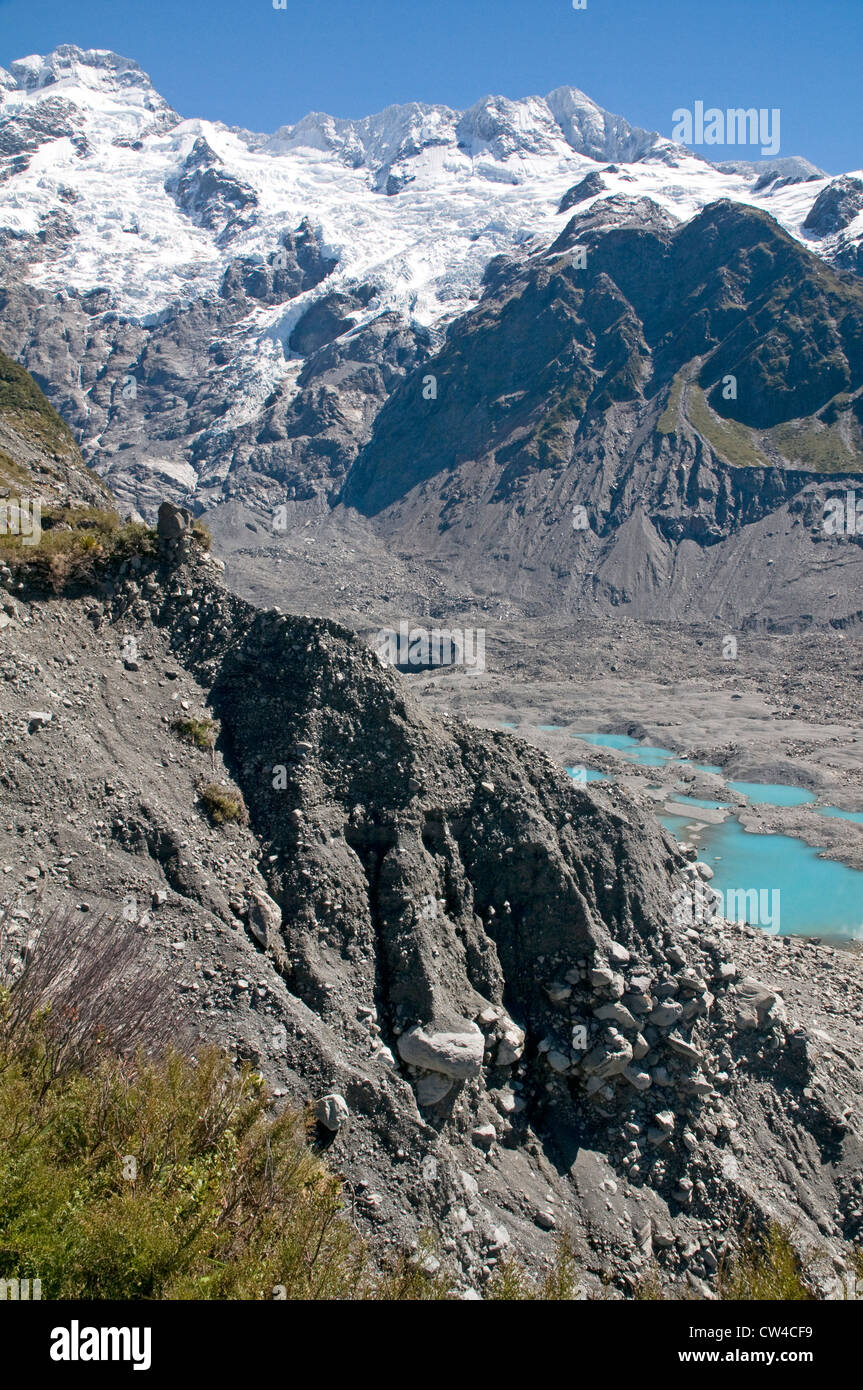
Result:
pixel 434 926
pixel 209 196
pixel 839 203
pixel 39 458
pixel 173 522
pixel 634 390
pixel 589 186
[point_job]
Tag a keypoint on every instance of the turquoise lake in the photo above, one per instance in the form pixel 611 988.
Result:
pixel 699 801
pixel 643 755
pixel 856 816
pixel 587 774
pixel 757 873
pixel 817 897
pixel 772 794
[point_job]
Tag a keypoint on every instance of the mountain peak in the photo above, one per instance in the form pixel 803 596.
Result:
pixel 90 67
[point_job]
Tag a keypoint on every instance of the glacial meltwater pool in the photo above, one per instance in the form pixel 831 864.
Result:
pixel 776 881
pixel 630 747
pixel 772 793
pixel 856 816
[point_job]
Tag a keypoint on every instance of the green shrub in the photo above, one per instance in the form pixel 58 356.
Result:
pixel 511 1282
pixel 765 1267
pixel 166 1179
pixel 200 732
pixel 202 535
pixel 76 547
pixel 223 804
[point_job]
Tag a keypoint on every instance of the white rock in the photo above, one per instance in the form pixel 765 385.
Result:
pixel 557 992
pixel 455 1054
pixel 265 916
pixel 484 1136
pixel 333 1112
pixel 558 1061
pixel 469 1183
pixel 511 1046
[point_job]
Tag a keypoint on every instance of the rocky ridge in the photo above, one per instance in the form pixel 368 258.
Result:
pixel 478 971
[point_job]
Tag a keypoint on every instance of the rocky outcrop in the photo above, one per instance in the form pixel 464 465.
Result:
pixel 467 956
pixel 835 207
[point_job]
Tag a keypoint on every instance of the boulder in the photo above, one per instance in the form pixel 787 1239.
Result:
pixel 173 522
pixel 758 1005
pixel 265 916
pixel 666 1014
pixel 511 1045
pixel 453 1053
pixel 608 1058
pixel 332 1112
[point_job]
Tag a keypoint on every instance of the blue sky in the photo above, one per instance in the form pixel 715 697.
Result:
pixel 247 64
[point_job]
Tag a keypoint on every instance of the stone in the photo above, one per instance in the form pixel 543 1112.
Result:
pixel 557 992
pixel 333 1112
pixel 637 1002
pixel 38 718
pixel 664 1120
pixel 558 1061
pixel 687 979
pixel 683 1048
pixel 511 1046
pixel 173 522
pixel 456 1054
pixel 265 916
pixel 703 870
pixel 433 1088
pixel 608 1058
pixel 483 1136
pixel 641 1080
pixel 758 1005
pixel 616 1013
pixel 697 1085
pixel 667 1014
pixel 618 954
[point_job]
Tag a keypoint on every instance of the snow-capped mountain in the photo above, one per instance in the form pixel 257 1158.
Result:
pixel 186 275
pixel 461 186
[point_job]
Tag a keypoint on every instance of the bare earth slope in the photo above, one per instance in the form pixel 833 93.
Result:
pixel 423 918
